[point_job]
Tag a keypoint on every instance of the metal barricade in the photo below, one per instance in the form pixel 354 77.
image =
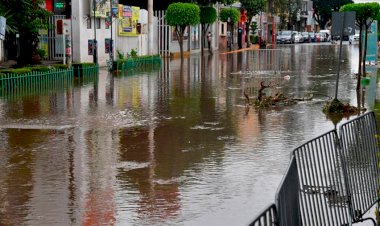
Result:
pixel 360 155
pixel 323 195
pixel 331 180
pixel 267 218
pixel 287 197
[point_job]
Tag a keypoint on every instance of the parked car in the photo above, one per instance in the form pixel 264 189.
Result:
pixel 327 34
pixel 285 37
pixel 306 36
pixel 355 37
pixel 297 37
pixel 312 36
pixel 320 37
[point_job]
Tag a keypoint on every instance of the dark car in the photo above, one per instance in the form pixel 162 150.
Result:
pixel 285 37
pixel 306 36
pixel 312 37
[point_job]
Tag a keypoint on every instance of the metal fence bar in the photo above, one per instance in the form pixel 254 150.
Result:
pixel 323 199
pixel 267 218
pixel 287 197
pixel 14 85
pixel 360 155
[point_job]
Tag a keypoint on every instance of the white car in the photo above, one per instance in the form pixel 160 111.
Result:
pixel 298 37
pixel 354 38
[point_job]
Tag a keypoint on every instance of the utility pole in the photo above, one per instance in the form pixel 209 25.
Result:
pixel 95 45
pixel 111 41
pixel 150 27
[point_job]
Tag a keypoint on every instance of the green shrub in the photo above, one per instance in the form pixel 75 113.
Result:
pixel 16 71
pixel 133 53
pixel 120 55
pixel 41 53
pixel 60 66
pixel 39 68
pixel 254 39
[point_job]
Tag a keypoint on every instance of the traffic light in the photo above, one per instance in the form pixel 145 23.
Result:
pixel 59 27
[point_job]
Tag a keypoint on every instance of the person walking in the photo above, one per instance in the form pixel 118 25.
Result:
pixel 209 38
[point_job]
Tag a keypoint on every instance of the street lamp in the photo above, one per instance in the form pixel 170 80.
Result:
pixel 229 33
pixel 95 46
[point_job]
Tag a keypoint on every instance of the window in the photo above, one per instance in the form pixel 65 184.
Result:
pixel 89 23
pixel 97 21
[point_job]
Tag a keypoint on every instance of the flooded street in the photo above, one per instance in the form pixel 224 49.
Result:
pixel 173 146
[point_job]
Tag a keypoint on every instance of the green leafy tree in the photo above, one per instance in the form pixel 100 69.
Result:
pixel 323 9
pixel 11 26
pixel 253 7
pixel 180 15
pixel 365 14
pixel 210 2
pixel 207 17
pixel 27 17
pixel 287 10
pixel 229 13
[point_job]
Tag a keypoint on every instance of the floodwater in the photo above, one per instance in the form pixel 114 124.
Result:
pixel 172 146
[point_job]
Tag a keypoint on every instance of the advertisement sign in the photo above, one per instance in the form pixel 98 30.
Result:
pixel 102 8
pixel 66 26
pixel 372 47
pixel 128 19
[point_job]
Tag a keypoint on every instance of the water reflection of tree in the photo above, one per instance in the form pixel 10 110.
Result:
pixel 188 98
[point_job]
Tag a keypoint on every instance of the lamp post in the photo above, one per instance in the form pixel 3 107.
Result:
pixel 229 33
pixel 95 45
pixel 111 41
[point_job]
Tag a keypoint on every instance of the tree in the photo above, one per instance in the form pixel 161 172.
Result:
pixel 253 7
pixel 180 15
pixel 323 9
pixel 207 17
pixel 365 14
pixel 28 17
pixel 230 15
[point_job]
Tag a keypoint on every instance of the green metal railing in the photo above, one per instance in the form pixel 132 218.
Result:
pixel 138 63
pixel 87 73
pixel 12 85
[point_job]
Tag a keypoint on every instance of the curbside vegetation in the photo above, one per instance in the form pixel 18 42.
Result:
pixel 137 62
pixel 26 70
pixel 26 78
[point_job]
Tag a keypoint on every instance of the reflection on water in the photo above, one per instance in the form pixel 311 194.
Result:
pixel 173 146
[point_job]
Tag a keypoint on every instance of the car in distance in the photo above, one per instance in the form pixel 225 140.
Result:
pixel 312 36
pixel 298 38
pixel 306 36
pixel 327 35
pixel 285 37
pixel 320 37
pixel 355 37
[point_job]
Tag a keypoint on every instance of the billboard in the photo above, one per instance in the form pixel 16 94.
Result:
pixel 371 57
pixel 128 19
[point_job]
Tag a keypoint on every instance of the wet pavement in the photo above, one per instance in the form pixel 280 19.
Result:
pixel 172 146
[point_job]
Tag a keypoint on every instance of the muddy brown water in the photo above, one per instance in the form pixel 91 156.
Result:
pixel 171 146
